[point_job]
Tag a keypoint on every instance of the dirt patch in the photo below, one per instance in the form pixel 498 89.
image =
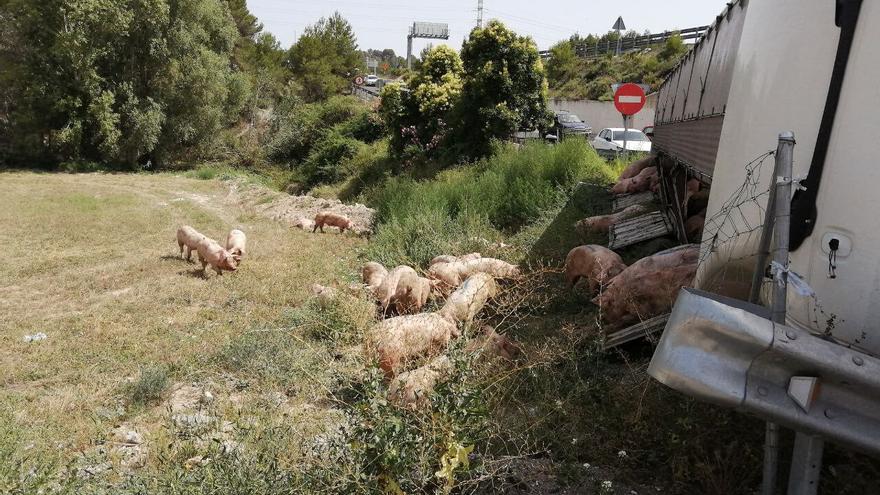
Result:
pixel 289 209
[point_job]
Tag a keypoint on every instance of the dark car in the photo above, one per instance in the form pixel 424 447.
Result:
pixel 568 124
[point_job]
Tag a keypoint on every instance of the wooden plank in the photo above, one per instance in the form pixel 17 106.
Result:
pixel 639 229
pixel 623 202
pixel 637 331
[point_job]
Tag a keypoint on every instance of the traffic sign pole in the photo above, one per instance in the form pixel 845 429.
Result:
pixel 629 99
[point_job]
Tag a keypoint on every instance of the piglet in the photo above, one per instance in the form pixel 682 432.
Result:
pixel 211 253
pixel 332 220
pixel 595 264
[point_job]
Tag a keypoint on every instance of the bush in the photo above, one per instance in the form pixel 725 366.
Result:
pixel 149 387
pixel 464 208
pixel 319 138
pixel 406 451
pixel 324 164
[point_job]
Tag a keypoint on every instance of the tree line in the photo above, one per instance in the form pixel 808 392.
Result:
pixel 150 82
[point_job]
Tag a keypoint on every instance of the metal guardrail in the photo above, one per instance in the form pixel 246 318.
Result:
pixel 366 93
pixel 631 44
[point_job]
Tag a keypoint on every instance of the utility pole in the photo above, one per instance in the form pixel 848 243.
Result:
pixel 479 13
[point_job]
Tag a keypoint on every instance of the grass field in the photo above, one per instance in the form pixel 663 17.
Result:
pixel 241 384
pixel 91 261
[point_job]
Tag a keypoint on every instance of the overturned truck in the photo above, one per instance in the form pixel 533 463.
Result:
pixel 764 68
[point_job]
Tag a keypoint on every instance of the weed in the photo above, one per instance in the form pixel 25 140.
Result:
pixel 148 387
pixel 478 204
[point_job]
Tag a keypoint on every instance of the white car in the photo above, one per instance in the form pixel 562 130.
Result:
pixel 371 80
pixel 611 140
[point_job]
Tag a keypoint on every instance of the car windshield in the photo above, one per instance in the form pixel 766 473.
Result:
pixel 569 118
pixel 630 136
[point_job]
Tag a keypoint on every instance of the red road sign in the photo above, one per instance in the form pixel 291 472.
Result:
pixel 359 80
pixel 629 99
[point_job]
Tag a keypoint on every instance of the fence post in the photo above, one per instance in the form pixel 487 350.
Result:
pixel 776 220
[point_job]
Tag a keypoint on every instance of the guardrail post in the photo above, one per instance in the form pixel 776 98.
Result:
pixel 776 220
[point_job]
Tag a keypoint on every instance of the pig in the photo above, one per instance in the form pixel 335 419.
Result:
pixel 373 274
pixel 636 167
pixel 402 339
pixel 235 244
pixel 333 220
pixel 387 290
pixel 468 300
pixel 493 344
pixel 190 238
pixel 699 201
pixel 304 223
pixel 645 181
pixel 212 253
pixel 412 293
pixel 324 295
pixel 494 267
pixel 691 187
pixel 595 264
pixel 452 259
pixel 603 223
pixel 447 275
pixel 413 388
pixel 694 226
pixel 649 287
pixel 450 275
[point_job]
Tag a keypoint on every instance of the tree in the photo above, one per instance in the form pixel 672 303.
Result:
pixel 418 118
pixel 247 24
pixel 262 61
pixel 325 57
pixel 120 82
pixel 505 89
pixel 563 62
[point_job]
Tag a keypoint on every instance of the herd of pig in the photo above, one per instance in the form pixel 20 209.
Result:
pixel 625 294
pixel 227 258
pixel 210 252
pixel 649 287
pixel 642 176
pixel 399 342
pixel 629 294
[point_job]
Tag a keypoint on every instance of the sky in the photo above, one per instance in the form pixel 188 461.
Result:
pixel 384 24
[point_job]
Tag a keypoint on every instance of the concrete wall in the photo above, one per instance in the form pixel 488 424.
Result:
pixel 602 114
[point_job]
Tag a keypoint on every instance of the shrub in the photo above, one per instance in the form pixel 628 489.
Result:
pixel 464 208
pixel 149 387
pixel 324 164
pixel 409 451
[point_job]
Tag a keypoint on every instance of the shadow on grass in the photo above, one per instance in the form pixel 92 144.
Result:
pixel 560 235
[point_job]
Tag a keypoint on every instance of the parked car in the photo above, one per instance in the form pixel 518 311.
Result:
pixel 371 80
pixel 610 141
pixel 567 124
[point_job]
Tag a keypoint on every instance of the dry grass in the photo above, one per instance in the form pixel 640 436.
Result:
pixel 90 260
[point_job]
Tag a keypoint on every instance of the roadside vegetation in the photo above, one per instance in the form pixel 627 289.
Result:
pixel 576 78
pixel 157 378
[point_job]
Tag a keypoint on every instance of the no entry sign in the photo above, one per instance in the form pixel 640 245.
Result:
pixel 629 99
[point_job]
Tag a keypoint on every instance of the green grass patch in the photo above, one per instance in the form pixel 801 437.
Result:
pixel 148 387
pixel 463 208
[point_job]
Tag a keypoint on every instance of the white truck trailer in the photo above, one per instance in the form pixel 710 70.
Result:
pixel 766 67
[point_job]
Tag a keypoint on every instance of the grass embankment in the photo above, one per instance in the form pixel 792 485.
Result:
pixel 92 263
pixel 296 408
pixel 470 208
